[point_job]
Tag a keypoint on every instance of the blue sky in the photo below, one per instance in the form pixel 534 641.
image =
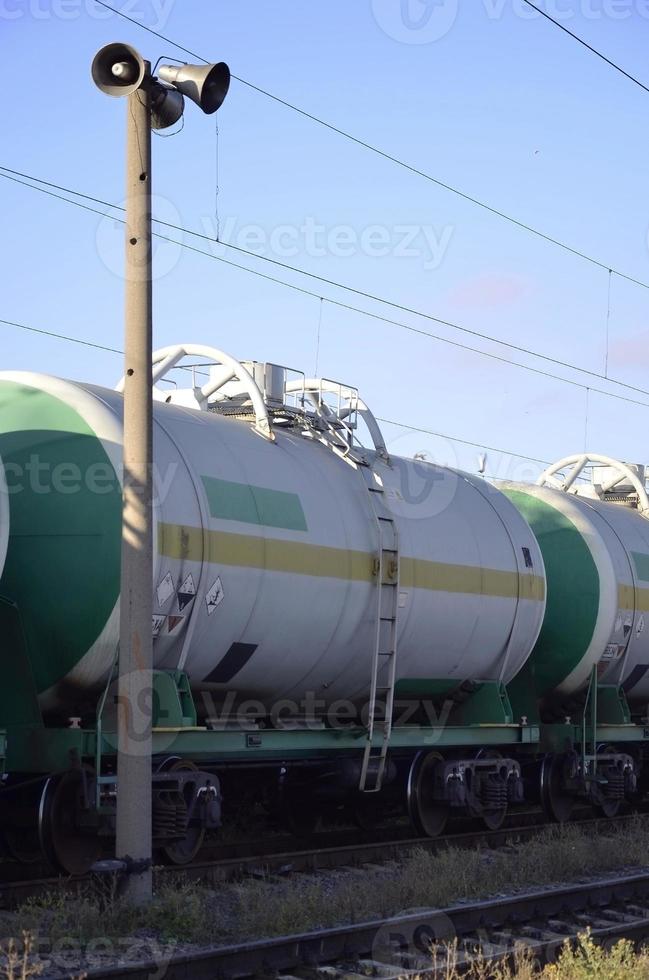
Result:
pixel 497 103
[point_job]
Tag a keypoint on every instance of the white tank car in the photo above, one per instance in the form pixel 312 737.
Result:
pixel 595 542
pixel 266 542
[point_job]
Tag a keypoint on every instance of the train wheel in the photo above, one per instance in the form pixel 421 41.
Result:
pixel 68 846
pixel 185 850
pixel 556 802
pixel 427 814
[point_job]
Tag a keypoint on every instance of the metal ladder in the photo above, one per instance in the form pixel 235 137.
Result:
pixel 385 641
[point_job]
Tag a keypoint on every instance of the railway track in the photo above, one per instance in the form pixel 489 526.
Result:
pixel 253 861
pixel 612 907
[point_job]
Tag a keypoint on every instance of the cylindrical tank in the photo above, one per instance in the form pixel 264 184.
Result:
pixel 596 556
pixel 265 553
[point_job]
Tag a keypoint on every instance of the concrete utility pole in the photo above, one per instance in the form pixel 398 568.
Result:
pixel 136 604
pixel 119 70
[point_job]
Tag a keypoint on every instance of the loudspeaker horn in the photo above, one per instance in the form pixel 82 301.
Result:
pixel 206 85
pixel 167 106
pixel 118 69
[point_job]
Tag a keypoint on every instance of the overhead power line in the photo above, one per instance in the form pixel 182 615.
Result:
pixel 60 336
pixel 391 158
pixel 114 350
pixel 465 442
pixel 586 45
pixel 340 303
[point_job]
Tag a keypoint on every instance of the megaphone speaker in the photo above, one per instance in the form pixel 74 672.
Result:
pixel 167 106
pixel 206 85
pixel 118 69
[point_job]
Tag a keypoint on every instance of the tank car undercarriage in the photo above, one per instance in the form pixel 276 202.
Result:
pixel 58 793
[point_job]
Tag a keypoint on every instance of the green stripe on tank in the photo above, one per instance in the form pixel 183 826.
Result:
pixel 572 594
pixel 641 563
pixel 63 560
pixel 242 502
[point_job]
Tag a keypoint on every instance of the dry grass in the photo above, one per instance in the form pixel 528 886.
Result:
pixel 194 914
pixel 17 962
pixel 582 960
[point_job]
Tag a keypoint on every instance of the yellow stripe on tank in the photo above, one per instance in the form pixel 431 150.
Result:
pixel 273 554
pixel 630 598
pixel 300 558
pixel 418 573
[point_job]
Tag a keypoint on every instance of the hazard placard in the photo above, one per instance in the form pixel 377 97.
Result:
pixel 165 589
pixel 186 592
pixel 214 596
pixel 157 624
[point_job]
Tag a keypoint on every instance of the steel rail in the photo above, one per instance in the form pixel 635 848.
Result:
pixel 542 918
pixel 282 863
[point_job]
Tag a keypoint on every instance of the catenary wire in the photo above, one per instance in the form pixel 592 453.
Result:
pixel 60 336
pixel 350 307
pixel 7 175
pixel 114 350
pixel 388 156
pixel 465 442
pixel 585 44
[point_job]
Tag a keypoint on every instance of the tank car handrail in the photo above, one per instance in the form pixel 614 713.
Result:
pixel 580 461
pixel 166 358
pixel 314 386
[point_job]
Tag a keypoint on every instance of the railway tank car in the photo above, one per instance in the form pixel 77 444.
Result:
pixel 264 571
pixel 594 537
pixel 596 553
pixel 333 625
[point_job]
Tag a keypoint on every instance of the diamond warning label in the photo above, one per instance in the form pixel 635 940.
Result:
pixel 157 624
pixel 173 622
pixel 165 589
pixel 214 596
pixel 186 592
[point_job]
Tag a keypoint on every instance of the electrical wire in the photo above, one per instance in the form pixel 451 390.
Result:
pixel 465 442
pixel 114 350
pixel 585 44
pixel 60 336
pixel 391 158
pixel 7 172
pixel 348 306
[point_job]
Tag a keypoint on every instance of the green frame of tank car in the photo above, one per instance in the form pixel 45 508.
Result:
pixel 486 720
